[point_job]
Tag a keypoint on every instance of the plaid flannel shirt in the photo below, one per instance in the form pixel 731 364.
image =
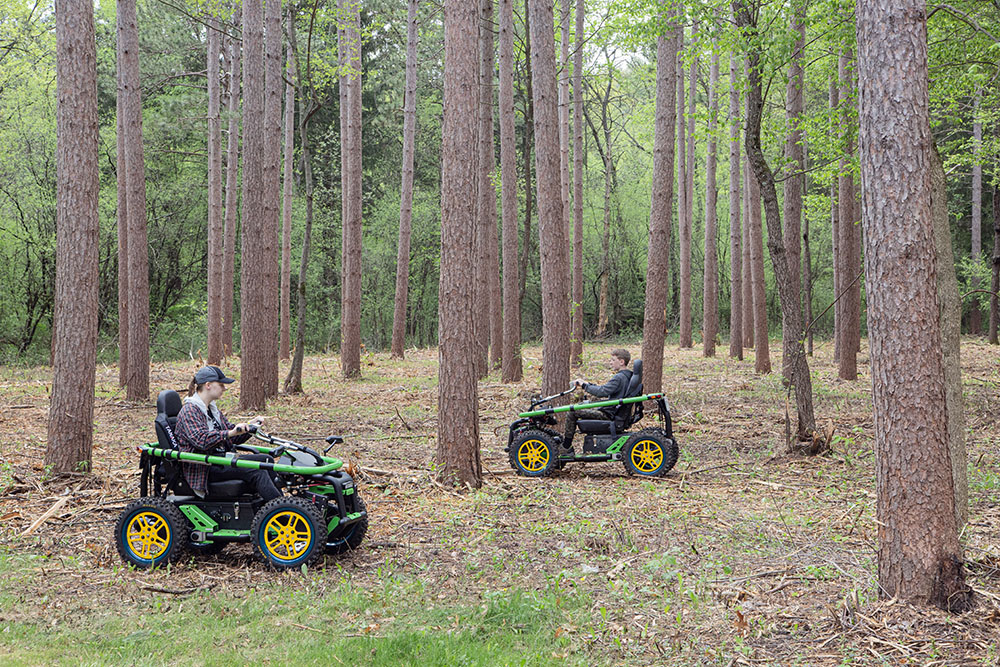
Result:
pixel 193 435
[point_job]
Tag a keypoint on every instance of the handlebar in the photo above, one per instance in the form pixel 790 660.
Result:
pixel 553 397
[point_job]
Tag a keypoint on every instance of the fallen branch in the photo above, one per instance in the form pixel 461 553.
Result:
pixel 46 516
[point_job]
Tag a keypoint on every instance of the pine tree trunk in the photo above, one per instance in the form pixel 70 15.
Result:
pixel 710 310
pixel 762 356
pixel 406 187
pixel 577 352
pixel 121 174
pixel 527 142
pixel 271 250
pixel 793 189
pixel 288 193
pixel 919 555
pixel 995 269
pixel 807 278
pixel 458 428
pixel 748 311
pixel 494 302
pixel 484 194
pixel 257 227
pixel 74 345
pixel 736 321
pixel 975 314
pixel 835 232
pixel 850 302
pixel 232 192
pixel 216 229
pixel 350 327
pixel 552 231
pixel 687 224
pixel 658 262
pixel 682 169
pixel 137 385
pixel 511 355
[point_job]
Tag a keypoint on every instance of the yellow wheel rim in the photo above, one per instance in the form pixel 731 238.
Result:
pixel 147 535
pixel 647 455
pixel 533 455
pixel 287 536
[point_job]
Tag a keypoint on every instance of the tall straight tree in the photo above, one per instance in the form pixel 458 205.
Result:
pixel 850 233
pixel 654 323
pixel 710 309
pixel 919 555
pixel 687 223
pixel 577 352
pixel 74 345
pixel 121 174
pixel 807 276
pixel 288 192
pixel 255 345
pixel 565 7
pixel 232 188
pixel 976 315
pixel 995 270
pixel 273 88
pixel 511 355
pixel 762 349
pixel 458 427
pixel 137 385
pixel 835 227
pixel 682 166
pixel 350 322
pixel 748 311
pixel 216 228
pixel 552 231
pixel 406 187
pixel 735 245
pixel 794 179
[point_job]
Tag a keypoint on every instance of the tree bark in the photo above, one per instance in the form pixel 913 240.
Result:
pixel 552 231
pixel 736 321
pixel 406 187
pixel 216 229
pixel 762 348
pixel 807 280
pixel 232 192
pixel 975 314
pixel 271 250
pixel 748 311
pixel 682 191
pixel 350 326
pixel 74 344
pixel 687 226
pixel 122 183
pixel 793 189
pixel 288 192
pixel 577 352
pixel 255 344
pixel 835 232
pixel 511 355
pixel 850 234
pixel 137 385
pixel 710 309
pixel 658 261
pixel 458 428
pixel 494 319
pixel 919 556
pixel 995 274
pixel 527 142
pixel 484 195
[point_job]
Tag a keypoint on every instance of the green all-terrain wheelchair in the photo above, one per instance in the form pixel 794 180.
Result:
pixel 321 511
pixel 533 445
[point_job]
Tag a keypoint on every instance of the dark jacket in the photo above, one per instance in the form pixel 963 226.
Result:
pixel 615 388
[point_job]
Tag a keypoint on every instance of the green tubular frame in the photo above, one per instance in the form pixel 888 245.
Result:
pixel 153 449
pixel 589 406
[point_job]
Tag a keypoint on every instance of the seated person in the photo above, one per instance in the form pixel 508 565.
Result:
pixel 202 428
pixel 615 388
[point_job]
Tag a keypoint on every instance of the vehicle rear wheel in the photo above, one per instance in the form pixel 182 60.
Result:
pixel 650 453
pixel 351 536
pixel 151 532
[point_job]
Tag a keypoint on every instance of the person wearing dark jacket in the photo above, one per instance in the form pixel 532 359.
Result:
pixel 203 429
pixel 614 388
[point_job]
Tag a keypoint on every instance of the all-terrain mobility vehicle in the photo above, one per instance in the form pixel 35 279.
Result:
pixel 321 511
pixel 534 446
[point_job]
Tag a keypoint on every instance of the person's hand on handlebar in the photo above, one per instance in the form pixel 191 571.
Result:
pixel 248 427
pixel 579 382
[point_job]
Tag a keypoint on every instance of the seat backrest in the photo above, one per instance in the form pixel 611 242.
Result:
pixel 623 414
pixel 168 406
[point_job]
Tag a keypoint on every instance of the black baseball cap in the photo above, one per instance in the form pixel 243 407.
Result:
pixel 211 374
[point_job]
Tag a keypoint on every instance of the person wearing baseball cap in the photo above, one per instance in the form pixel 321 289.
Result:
pixel 203 429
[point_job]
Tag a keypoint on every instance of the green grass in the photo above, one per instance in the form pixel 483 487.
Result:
pixel 292 619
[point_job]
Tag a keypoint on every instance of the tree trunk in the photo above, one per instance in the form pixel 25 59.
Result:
pixel 807 279
pixel 976 315
pixel 255 344
pixel 458 428
pixel 232 193
pixel 687 224
pixel 736 321
pixel 406 188
pixel 682 169
pixel 137 385
pixel 271 249
pixel 919 556
pixel 74 345
pixel 850 302
pixel 995 277
pixel 658 262
pixel 216 229
pixel 288 192
pixel 577 352
pixel 795 164
pixel 748 312
pixel 485 194
pixel 494 319
pixel 710 310
pixel 527 142
pixel 350 325
pixel 552 232
pixel 762 349
pixel 511 355
pixel 835 230
pixel 950 317
pixel 122 178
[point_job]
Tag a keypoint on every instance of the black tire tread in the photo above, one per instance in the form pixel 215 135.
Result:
pixel 535 434
pixel 180 529
pixel 668 445
pixel 360 530
pixel 298 504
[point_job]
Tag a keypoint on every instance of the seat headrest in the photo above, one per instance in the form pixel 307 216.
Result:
pixel 168 403
pixel 635 384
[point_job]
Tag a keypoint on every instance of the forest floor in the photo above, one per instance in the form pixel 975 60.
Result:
pixel 742 555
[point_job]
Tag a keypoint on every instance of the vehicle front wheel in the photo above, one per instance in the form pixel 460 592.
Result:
pixel 288 533
pixel 533 454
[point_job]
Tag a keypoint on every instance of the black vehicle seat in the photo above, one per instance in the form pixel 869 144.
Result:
pixel 624 415
pixel 168 406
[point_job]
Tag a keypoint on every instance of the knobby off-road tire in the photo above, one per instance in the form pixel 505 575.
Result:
pixel 351 537
pixel 534 454
pixel 650 453
pixel 151 532
pixel 288 533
